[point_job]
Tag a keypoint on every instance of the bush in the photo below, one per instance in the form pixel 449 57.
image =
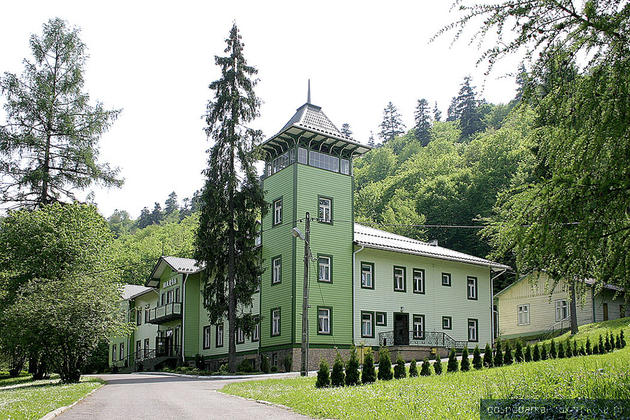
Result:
pixel 518 354
pixel 543 353
pixel 623 339
pixel 223 369
pixel 552 350
pixel 384 365
pixel 600 346
pixel 323 376
pixel 437 364
pixel 507 357
pixel 199 361
pixel 400 372
pixel 607 345
pixel 274 369
pixel 589 348
pixel 287 363
pixel 413 369
pixel 568 352
pixel 337 377
pixel 583 350
pixel 465 366
pixel 352 368
pixel 615 342
pixel 477 363
pixel 425 370
pixel 264 364
pixel 245 366
pixel 488 361
pixel 453 365
pixel 536 353
pixel 368 374
pixel 575 348
pixel 560 351
pixel 498 355
pixel 528 353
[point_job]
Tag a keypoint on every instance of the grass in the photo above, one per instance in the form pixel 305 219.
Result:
pixel 457 395
pixel 6 380
pixel 35 399
pixel 593 331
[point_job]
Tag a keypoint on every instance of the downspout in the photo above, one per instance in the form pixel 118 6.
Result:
pixel 593 301
pixel 492 304
pixel 353 287
pixel 185 277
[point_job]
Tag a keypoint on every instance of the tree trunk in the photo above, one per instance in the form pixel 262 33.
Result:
pixel 17 363
pixel 573 309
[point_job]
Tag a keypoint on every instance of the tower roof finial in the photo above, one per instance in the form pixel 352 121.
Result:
pixel 308 97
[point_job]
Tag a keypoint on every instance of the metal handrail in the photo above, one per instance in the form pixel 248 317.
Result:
pixel 426 339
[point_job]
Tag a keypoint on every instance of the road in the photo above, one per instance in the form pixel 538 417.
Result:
pixel 141 396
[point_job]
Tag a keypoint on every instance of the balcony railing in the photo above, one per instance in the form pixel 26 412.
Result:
pixel 165 313
pixel 426 339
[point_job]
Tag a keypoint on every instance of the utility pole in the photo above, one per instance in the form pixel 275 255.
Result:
pixel 307 257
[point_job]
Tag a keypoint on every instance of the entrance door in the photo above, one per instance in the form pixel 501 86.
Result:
pixel 605 312
pixel 401 329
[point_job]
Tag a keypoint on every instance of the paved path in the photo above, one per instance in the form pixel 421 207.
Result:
pixel 153 397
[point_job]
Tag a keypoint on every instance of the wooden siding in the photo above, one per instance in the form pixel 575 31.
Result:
pixel 192 315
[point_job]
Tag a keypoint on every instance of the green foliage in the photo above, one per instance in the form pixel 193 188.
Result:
pixel 543 353
pixel 323 376
pixel 561 350
pixel 422 129
pixel 600 346
pixel 518 354
pixel 437 364
pixel 368 373
pixel 264 364
pixel 337 377
pixel 465 107
pixel 392 124
pixel 528 353
pixel 623 339
pixel 352 368
pixel 400 372
pixel 477 362
pixel 384 365
pixel 589 349
pixel 536 353
pixel 465 364
pixel 568 349
pixel 425 370
pixel 498 354
pixel 553 353
pixel 49 146
pixel 608 344
pixel 507 357
pixel 246 366
pixel 453 364
pixel 287 363
pixel 413 368
pixel 488 360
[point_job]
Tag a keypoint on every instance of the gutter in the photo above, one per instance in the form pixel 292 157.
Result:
pixel 354 265
pixel 185 277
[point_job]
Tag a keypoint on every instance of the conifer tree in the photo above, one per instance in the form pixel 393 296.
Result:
pixel 453 364
pixel 528 353
pixel 437 364
pixel 384 365
pixel 498 355
pixel 371 141
pixel 346 130
pixel 521 82
pixel 583 351
pixel 600 346
pixel 575 348
pixel 518 354
pixel 232 198
pixel 352 368
pixel 465 108
pixel 477 362
pixel 623 339
pixel 608 342
pixel 488 360
pixel 368 373
pixel 400 371
pixel 413 368
pixel 437 114
pixel 536 353
pixel 425 370
pixel 589 349
pixel 171 205
pixel 337 377
pixel 392 124
pixel 543 352
pixel 323 376
pixel 423 122
pixel 507 357
pixel 568 349
pixel 560 350
pixel 465 364
pixel 552 350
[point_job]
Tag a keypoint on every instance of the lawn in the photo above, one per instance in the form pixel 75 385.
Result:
pixel 453 395
pixel 34 399
pixel 593 331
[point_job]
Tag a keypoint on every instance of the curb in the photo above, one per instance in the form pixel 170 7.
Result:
pixel 60 410
pixel 223 377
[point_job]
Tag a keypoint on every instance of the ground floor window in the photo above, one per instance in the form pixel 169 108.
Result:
pixel 473 329
pixel 523 314
pixel 256 332
pixel 367 324
pixel 206 337
pixel 275 321
pixel 418 327
pixel 324 316
pixel 240 336
pixel 146 347
pixel 219 335
pixel 447 323
pixel 381 318
pixel 562 310
pixel 122 351
pixel 114 353
pixel 138 349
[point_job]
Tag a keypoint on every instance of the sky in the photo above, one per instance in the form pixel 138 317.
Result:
pixel 155 60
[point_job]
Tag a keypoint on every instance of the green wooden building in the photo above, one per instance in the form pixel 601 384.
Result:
pixel 367 287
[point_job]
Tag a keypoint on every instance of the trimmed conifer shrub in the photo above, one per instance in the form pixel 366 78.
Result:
pixel 615 341
pixel 568 349
pixel 528 353
pixel 465 365
pixel 589 348
pixel 453 365
pixel 352 368
pixel 477 362
pixel 507 357
pixel 560 351
pixel 368 374
pixel 437 364
pixel 400 372
pixel 623 339
pixel 543 352
pixel 384 365
pixel 323 376
pixel 553 353
pixel 337 377
pixel 582 350
pixel 536 353
pixel 488 361
pixel 518 354
pixel 607 345
pixel 413 368
pixel 425 370
pixel 600 346
pixel 498 355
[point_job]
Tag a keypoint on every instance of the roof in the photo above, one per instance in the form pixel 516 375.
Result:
pixel 310 126
pixel 379 239
pixel 177 264
pixel 131 291
pixel 589 282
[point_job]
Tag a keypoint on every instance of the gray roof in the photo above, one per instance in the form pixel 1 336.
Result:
pixel 177 264
pixel 130 291
pixel 379 239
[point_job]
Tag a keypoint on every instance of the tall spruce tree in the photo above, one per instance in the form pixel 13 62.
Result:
pixel 392 124
pixel 423 122
pixel 371 141
pixel 171 204
pixel 49 145
pixel 437 114
pixel 232 199
pixel 465 108
pixel 346 130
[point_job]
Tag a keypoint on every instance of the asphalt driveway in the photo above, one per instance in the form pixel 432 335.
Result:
pixel 141 396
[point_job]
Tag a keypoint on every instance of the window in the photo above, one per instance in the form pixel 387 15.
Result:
pixel 146 347
pixel 447 323
pixel 219 335
pixel 325 210
pixel 240 336
pixel 114 353
pixel 418 280
pixel 523 314
pixel 324 320
pixel 146 314
pixel 169 296
pixel 302 155
pixel 367 324
pixel 277 212
pixel 446 279
pixel 276 270
pixel 139 317
pixel 258 285
pixel 399 279
pixel 367 275
pixel 324 161
pixel 274 359
pixel 324 272
pixel 345 166
pixel 162 299
pixel 275 322
pixel 138 349
pixel 122 351
pixel 471 283
pixel 473 332
pixel 622 311
pixel 206 337
pixel 562 310
pixel 418 327
pixel 177 294
pixel 381 318
pixel 256 332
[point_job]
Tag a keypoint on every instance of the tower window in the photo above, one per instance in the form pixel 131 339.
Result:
pixel 325 210
pixel 324 272
pixel 276 270
pixel 277 212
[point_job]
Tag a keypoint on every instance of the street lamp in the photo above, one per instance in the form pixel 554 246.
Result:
pixel 307 256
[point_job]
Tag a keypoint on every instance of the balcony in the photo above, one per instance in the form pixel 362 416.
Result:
pixel 165 313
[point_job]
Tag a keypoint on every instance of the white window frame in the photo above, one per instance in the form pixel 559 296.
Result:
pixel 323 321
pixel 447 276
pixel 367 275
pixel 114 352
pixel 256 332
pixel 121 348
pixel 146 347
pixel 220 332
pixel 324 265
pixel 473 330
pixel 471 287
pixel 562 309
pixel 367 322
pixel 399 279
pixel 276 272
pixel 324 210
pixel 240 336
pixel 277 212
pixel 522 314
pixel 275 322
pixel 418 327
pixel 418 280
pixel 449 323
